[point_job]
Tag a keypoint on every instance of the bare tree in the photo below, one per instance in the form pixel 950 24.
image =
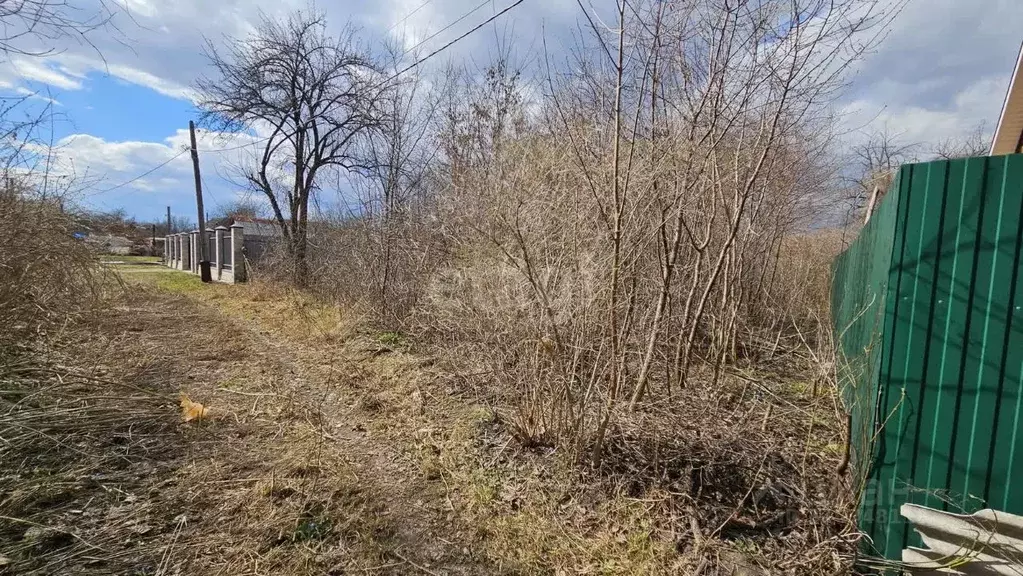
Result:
pixel 33 27
pixel 245 206
pixel 310 95
pixel 392 191
pixel 875 163
pixel 976 142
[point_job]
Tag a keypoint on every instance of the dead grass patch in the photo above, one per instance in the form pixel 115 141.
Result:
pixel 102 477
pixel 741 476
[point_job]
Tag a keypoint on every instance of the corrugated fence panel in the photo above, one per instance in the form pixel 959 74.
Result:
pixel 861 276
pixel 941 357
pixel 1009 455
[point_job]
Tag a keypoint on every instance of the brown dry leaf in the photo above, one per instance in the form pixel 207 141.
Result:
pixel 192 410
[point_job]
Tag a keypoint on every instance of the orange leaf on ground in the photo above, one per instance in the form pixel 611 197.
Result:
pixel 192 410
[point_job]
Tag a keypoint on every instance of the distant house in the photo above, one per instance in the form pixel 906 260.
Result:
pixel 111 244
pixel 1009 133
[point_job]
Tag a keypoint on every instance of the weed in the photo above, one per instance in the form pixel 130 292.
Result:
pixel 747 546
pixel 486 487
pixel 312 528
pixel 166 279
pixel 391 338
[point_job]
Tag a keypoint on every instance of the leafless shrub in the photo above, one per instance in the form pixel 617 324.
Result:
pixel 633 223
pixel 625 246
pixel 377 266
pixel 47 276
pixel 592 237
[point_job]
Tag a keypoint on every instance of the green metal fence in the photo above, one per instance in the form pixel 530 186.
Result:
pixel 926 306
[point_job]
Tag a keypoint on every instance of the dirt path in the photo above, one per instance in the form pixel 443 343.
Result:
pixel 346 407
pixel 310 461
pixel 328 449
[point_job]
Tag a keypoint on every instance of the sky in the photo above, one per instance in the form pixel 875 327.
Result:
pixel 123 100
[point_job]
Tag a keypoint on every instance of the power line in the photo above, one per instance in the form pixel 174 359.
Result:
pixel 597 32
pixel 437 33
pixel 449 44
pixel 407 16
pixel 209 191
pixel 168 161
pixel 144 174
pixel 399 73
pixel 256 141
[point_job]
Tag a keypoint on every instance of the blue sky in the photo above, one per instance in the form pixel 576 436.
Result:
pixel 943 69
pixel 119 110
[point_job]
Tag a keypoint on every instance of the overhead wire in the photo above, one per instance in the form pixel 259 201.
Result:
pixel 144 174
pixel 596 32
pixel 208 193
pixel 449 44
pixel 239 147
pixel 407 16
pixel 399 73
pixel 442 30
pixel 168 161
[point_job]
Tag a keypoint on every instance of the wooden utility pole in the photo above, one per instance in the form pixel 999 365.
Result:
pixel 204 257
pixel 168 221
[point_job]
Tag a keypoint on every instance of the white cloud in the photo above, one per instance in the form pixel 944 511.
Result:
pixel 40 70
pixel 159 44
pixel 95 154
pixel 151 81
pixel 22 91
pixel 142 8
pixel 112 173
pixel 978 103
pixel 942 71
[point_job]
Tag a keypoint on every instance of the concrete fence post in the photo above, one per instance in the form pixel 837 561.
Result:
pixel 218 246
pixel 186 252
pixel 194 235
pixel 211 253
pixel 210 256
pixel 166 250
pixel 238 253
pixel 181 251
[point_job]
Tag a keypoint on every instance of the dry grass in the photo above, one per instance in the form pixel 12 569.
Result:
pixel 336 448
pixel 122 486
pixel 745 475
pixel 726 480
pixel 47 277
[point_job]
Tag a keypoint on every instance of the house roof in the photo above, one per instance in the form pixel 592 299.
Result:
pixel 1009 133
